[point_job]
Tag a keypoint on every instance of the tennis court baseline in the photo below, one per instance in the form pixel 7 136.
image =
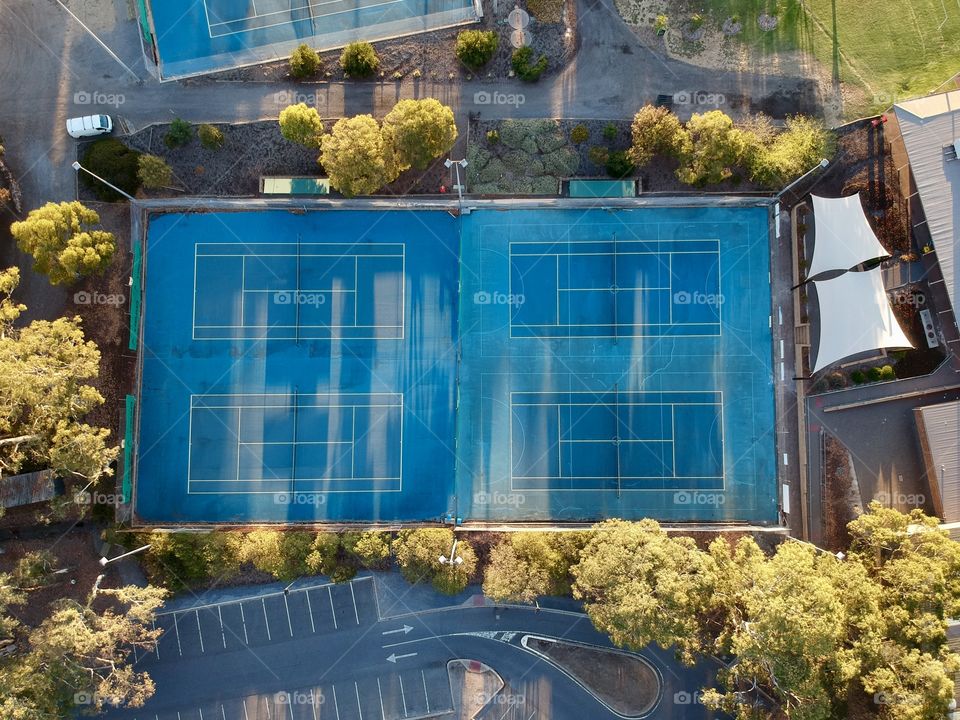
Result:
pixel 615 288
pixel 617 440
pixel 329 442
pixel 294 291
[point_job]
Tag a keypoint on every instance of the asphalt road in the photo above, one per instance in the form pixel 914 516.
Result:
pixel 325 648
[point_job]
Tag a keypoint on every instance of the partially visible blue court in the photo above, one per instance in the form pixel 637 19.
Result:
pixel 349 365
pixel 200 36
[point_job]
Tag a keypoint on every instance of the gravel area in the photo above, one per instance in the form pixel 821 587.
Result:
pixel 431 54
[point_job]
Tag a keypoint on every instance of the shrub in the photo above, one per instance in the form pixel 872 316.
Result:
pixel 372 548
pixel 178 560
pixel 887 373
pixel 34 568
pixel 210 136
pixel 359 59
pixel 524 67
pixel 154 172
pixel 476 47
pixel 493 136
pixel 179 134
pixel 579 134
pixel 620 165
pixel 774 160
pixel 696 21
pixel 114 162
pixel 599 155
pixel 661 24
pixel 858 377
pixel 304 62
pixel 610 132
pixel 873 374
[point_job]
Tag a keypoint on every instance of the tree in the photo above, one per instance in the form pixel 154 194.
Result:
pixel 475 48
pixel 154 172
pixel 329 556
pixel 787 155
pixel 359 59
pixel 114 162
pixel 418 131
pixel 301 124
pixel 82 650
pixel 179 560
pixel 43 396
pixel 525 565
pixel 353 156
pixel 371 547
pixel 304 62
pixel 640 585
pixel 418 555
pixel 656 131
pixel 62 241
pixel 716 147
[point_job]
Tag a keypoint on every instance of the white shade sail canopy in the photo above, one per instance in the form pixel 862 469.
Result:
pixel 855 317
pixel 843 238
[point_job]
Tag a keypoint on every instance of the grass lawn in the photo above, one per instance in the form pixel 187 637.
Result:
pixel 894 49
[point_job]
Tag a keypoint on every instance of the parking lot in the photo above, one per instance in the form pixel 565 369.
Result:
pixel 264 619
pixel 275 618
pixel 409 694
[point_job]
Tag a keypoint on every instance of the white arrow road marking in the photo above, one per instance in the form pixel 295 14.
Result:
pixel 405 629
pixel 394 657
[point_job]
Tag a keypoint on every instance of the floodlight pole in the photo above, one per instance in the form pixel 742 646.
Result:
pixel 78 167
pixel 819 166
pixel 459 164
pixel 454 559
pixel 104 562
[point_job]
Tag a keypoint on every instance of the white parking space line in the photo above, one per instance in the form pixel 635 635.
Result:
pixel 223 634
pixel 359 708
pixel 223 712
pixel 332 611
pixel 336 707
pixel 313 628
pixel 313 702
pixel 354 598
pixel 383 714
pixel 177 631
pixel 246 640
pixel 199 633
pixel 245 716
pixel 289 621
pixel 263 603
pixel 403 697
pixel 426 695
pixel 156 644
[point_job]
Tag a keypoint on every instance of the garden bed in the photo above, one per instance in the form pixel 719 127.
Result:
pixel 430 56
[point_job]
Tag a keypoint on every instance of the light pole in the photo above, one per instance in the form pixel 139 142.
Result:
pixel 459 164
pixel 104 562
pixel 837 555
pixel 78 167
pixel 820 166
pixel 454 559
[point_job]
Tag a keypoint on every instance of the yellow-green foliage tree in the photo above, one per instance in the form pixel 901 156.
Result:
pixel 716 148
pixel 789 154
pixel 657 131
pixel 525 565
pixel 418 553
pixel 301 124
pixel 415 132
pixel 353 156
pixel 62 241
pixel 43 396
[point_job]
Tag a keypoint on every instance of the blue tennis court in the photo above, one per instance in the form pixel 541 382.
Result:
pixel 198 36
pixel 503 365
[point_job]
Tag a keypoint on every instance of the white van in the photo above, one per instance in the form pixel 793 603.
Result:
pixel 89 125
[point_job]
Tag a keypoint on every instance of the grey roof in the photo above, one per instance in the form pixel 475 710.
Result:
pixel 940 427
pixel 929 127
pixel 28 488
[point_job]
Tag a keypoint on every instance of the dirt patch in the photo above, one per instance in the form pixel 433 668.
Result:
pixel 837 508
pixel 625 683
pixel 431 54
pixel 73 552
